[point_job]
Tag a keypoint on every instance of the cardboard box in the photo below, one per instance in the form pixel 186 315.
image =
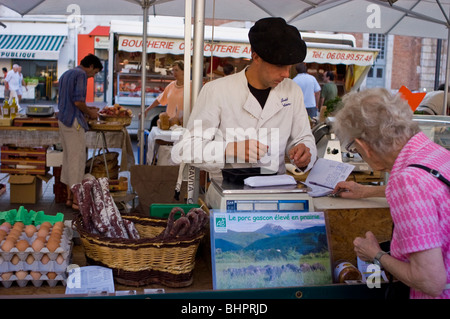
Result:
pixel 54 158
pixel 5 121
pixel 26 189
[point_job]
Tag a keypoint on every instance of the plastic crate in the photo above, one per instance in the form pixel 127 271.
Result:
pixel 29 217
pixel 163 210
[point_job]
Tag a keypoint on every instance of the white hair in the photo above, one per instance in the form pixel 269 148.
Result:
pixel 378 117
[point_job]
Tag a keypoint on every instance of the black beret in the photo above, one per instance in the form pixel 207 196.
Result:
pixel 277 42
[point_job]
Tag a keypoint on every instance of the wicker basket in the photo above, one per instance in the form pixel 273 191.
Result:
pixel 99 169
pixel 124 120
pixel 148 260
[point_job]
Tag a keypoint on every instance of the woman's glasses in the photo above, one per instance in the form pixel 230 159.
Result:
pixel 351 149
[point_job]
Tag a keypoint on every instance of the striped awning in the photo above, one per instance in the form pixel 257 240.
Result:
pixel 30 47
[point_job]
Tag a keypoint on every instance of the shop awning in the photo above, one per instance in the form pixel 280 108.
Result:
pixel 30 47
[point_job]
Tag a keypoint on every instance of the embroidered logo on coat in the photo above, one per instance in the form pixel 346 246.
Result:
pixel 285 102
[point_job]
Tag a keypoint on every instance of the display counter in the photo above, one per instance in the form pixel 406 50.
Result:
pixel 32 136
pixel 201 287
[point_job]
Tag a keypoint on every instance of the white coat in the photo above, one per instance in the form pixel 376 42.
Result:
pixel 226 111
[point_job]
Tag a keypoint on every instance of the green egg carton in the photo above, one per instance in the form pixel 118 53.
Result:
pixel 29 217
pixel 163 210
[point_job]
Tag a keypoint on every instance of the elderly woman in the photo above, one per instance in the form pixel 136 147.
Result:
pixel 379 126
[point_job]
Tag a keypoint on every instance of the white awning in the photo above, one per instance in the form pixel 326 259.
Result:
pixel 30 47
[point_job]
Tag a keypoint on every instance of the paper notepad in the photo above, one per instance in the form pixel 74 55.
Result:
pixel 271 180
pixel 325 175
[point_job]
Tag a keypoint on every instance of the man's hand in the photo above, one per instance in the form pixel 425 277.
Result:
pixel 248 151
pixel 300 155
pixel 92 112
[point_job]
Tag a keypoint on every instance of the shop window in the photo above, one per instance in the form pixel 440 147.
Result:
pixel 42 74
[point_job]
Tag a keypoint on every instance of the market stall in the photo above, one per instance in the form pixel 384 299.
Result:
pixel 202 284
pixel 222 46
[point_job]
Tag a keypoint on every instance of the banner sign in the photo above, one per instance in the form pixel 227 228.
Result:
pixel 29 55
pixel 243 50
pixel 176 46
pixel 340 56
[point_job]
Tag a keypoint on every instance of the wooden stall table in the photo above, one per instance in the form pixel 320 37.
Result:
pixel 32 136
pixel 347 219
pixel 359 177
pixel 350 218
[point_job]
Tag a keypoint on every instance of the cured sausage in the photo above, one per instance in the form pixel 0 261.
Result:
pixel 99 207
pixel 180 227
pixel 202 219
pixel 117 228
pixel 131 229
pixel 170 221
pixel 193 219
pixel 100 222
pixel 77 190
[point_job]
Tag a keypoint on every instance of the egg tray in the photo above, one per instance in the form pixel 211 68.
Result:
pixel 61 277
pixel 64 250
pixel 37 265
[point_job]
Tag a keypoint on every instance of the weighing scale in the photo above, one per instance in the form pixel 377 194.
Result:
pixel 237 197
pixel 40 110
pixel 329 147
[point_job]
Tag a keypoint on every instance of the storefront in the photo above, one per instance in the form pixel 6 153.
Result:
pixel 36 48
pixel 96 42
pixel 222 46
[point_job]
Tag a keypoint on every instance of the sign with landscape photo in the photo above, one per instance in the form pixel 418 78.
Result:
pixel 258 250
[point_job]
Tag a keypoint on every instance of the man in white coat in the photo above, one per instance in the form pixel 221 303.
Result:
pixel 257 116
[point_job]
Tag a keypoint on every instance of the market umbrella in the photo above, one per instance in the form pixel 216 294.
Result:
pixel 429 19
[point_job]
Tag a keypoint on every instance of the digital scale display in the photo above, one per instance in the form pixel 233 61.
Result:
pixel 267 205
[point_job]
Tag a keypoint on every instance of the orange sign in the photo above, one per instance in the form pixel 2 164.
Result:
pixel 413 99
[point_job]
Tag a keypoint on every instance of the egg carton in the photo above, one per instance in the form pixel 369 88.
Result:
pixel 60 277
pixel 57 265
pixel 63 249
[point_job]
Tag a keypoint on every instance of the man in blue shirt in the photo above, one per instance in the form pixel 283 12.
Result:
pixel 310 88
pixel 73 114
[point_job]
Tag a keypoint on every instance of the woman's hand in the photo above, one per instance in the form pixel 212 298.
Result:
pixel 349 190
pixel 355 190
pixel 145 114
pixel 366 248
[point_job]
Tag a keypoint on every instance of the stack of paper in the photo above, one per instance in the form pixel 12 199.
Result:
pixel 270 180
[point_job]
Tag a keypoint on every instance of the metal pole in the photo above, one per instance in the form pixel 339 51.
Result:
pixel 145 6
pixel 187 61
pixel 437 70
pixel 197 59
pixel 444 107
pixel 197 82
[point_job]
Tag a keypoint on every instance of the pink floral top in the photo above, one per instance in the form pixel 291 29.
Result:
pixel 420 203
